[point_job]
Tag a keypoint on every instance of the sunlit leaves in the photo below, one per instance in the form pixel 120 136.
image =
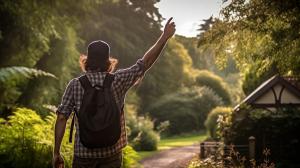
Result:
pixel 17 72
pixel 26 140
pixel 172 71
pixel 216 83
pixel 258 30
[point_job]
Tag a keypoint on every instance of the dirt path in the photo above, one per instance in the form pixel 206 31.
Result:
pixel 172 158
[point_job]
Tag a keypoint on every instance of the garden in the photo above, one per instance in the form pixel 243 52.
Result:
pixel 199 90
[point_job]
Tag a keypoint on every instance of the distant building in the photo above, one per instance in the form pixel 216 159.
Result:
pixel 274 93
pixel 277 132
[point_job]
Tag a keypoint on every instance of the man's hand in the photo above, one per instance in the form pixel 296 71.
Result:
pixel 169 29
pixel 152 54
pixel 60 126
pixel 58 161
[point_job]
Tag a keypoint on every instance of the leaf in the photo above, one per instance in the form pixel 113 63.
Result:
pixel 17 72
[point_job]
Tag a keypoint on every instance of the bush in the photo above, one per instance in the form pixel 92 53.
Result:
pixel 186 110
pixel 211 123
pixel 25 140
pixel 130 157
pixel 141 132
pixel 216 83
pixel 146 140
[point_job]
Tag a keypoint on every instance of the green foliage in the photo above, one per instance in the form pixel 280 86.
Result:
pixel 63 54
pixel 272 129
pixel 115 22
pixel 141 132
pixel 255 76
pixel 199 59
pixel 211 123
pixel 258 31
pixel 41 41
pixel 186 109
pixel 29 39
pixel 17 72
pixel 130 157
pixel 10 77
pixel 146 140
pixel 216 83
pixel 172 71
pixel 32 35
pixel 25 140
pixel 203 57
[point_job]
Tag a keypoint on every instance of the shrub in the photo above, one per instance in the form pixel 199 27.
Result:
pixel 216 83
pixel 25 140
pixel 186 109
pixel 130 157
pixel 211 123
pixel 141 132
pixel 146 140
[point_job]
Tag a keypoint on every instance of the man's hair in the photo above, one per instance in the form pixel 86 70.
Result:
pixel 98 58
pixel 110 65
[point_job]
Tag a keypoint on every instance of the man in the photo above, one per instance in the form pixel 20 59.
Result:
pixel 97 65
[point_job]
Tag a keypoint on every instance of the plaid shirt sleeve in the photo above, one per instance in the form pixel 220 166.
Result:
pixel 67 104
pixel 126 78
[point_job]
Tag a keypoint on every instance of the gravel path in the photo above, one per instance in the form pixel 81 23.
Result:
pixel 172 158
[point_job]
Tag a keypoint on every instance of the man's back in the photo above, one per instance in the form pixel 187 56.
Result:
pixel 72 99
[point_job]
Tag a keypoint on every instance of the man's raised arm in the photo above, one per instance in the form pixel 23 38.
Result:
pixel 152 54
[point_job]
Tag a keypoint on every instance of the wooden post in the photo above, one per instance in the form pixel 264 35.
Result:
pixel 251 147
pixel 202 156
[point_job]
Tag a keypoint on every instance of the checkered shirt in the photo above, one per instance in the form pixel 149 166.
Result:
pixel 71 101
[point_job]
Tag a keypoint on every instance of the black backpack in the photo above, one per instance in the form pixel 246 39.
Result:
pixel 99 116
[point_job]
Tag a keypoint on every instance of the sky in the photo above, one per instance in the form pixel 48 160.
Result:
pixel 188 14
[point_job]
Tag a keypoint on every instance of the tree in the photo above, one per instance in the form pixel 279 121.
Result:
pixel 10 78
pixel 172 71
pixel 254 76
pixel 29 31
pixel 186 109
pixel 216 83
pixel 39 39
pixel 254 31
pixel 200 59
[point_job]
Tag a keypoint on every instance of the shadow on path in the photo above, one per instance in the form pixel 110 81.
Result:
pixel 172 158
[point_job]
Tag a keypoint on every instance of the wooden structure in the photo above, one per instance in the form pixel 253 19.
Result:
pixel 274 93
pixel 211 148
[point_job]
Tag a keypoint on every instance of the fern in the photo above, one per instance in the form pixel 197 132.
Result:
pixel 17 72
pixel 26 140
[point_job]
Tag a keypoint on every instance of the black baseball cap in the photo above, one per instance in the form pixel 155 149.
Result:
pixel 97 54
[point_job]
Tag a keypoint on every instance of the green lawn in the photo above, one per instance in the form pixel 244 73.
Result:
pixel 176 141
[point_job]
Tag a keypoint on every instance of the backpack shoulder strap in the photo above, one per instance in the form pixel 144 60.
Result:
pixel 85 83
pixel 109 78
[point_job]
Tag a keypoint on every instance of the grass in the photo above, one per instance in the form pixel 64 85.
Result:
pixel 175 141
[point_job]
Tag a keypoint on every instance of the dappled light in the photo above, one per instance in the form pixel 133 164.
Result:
pixel 173 87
